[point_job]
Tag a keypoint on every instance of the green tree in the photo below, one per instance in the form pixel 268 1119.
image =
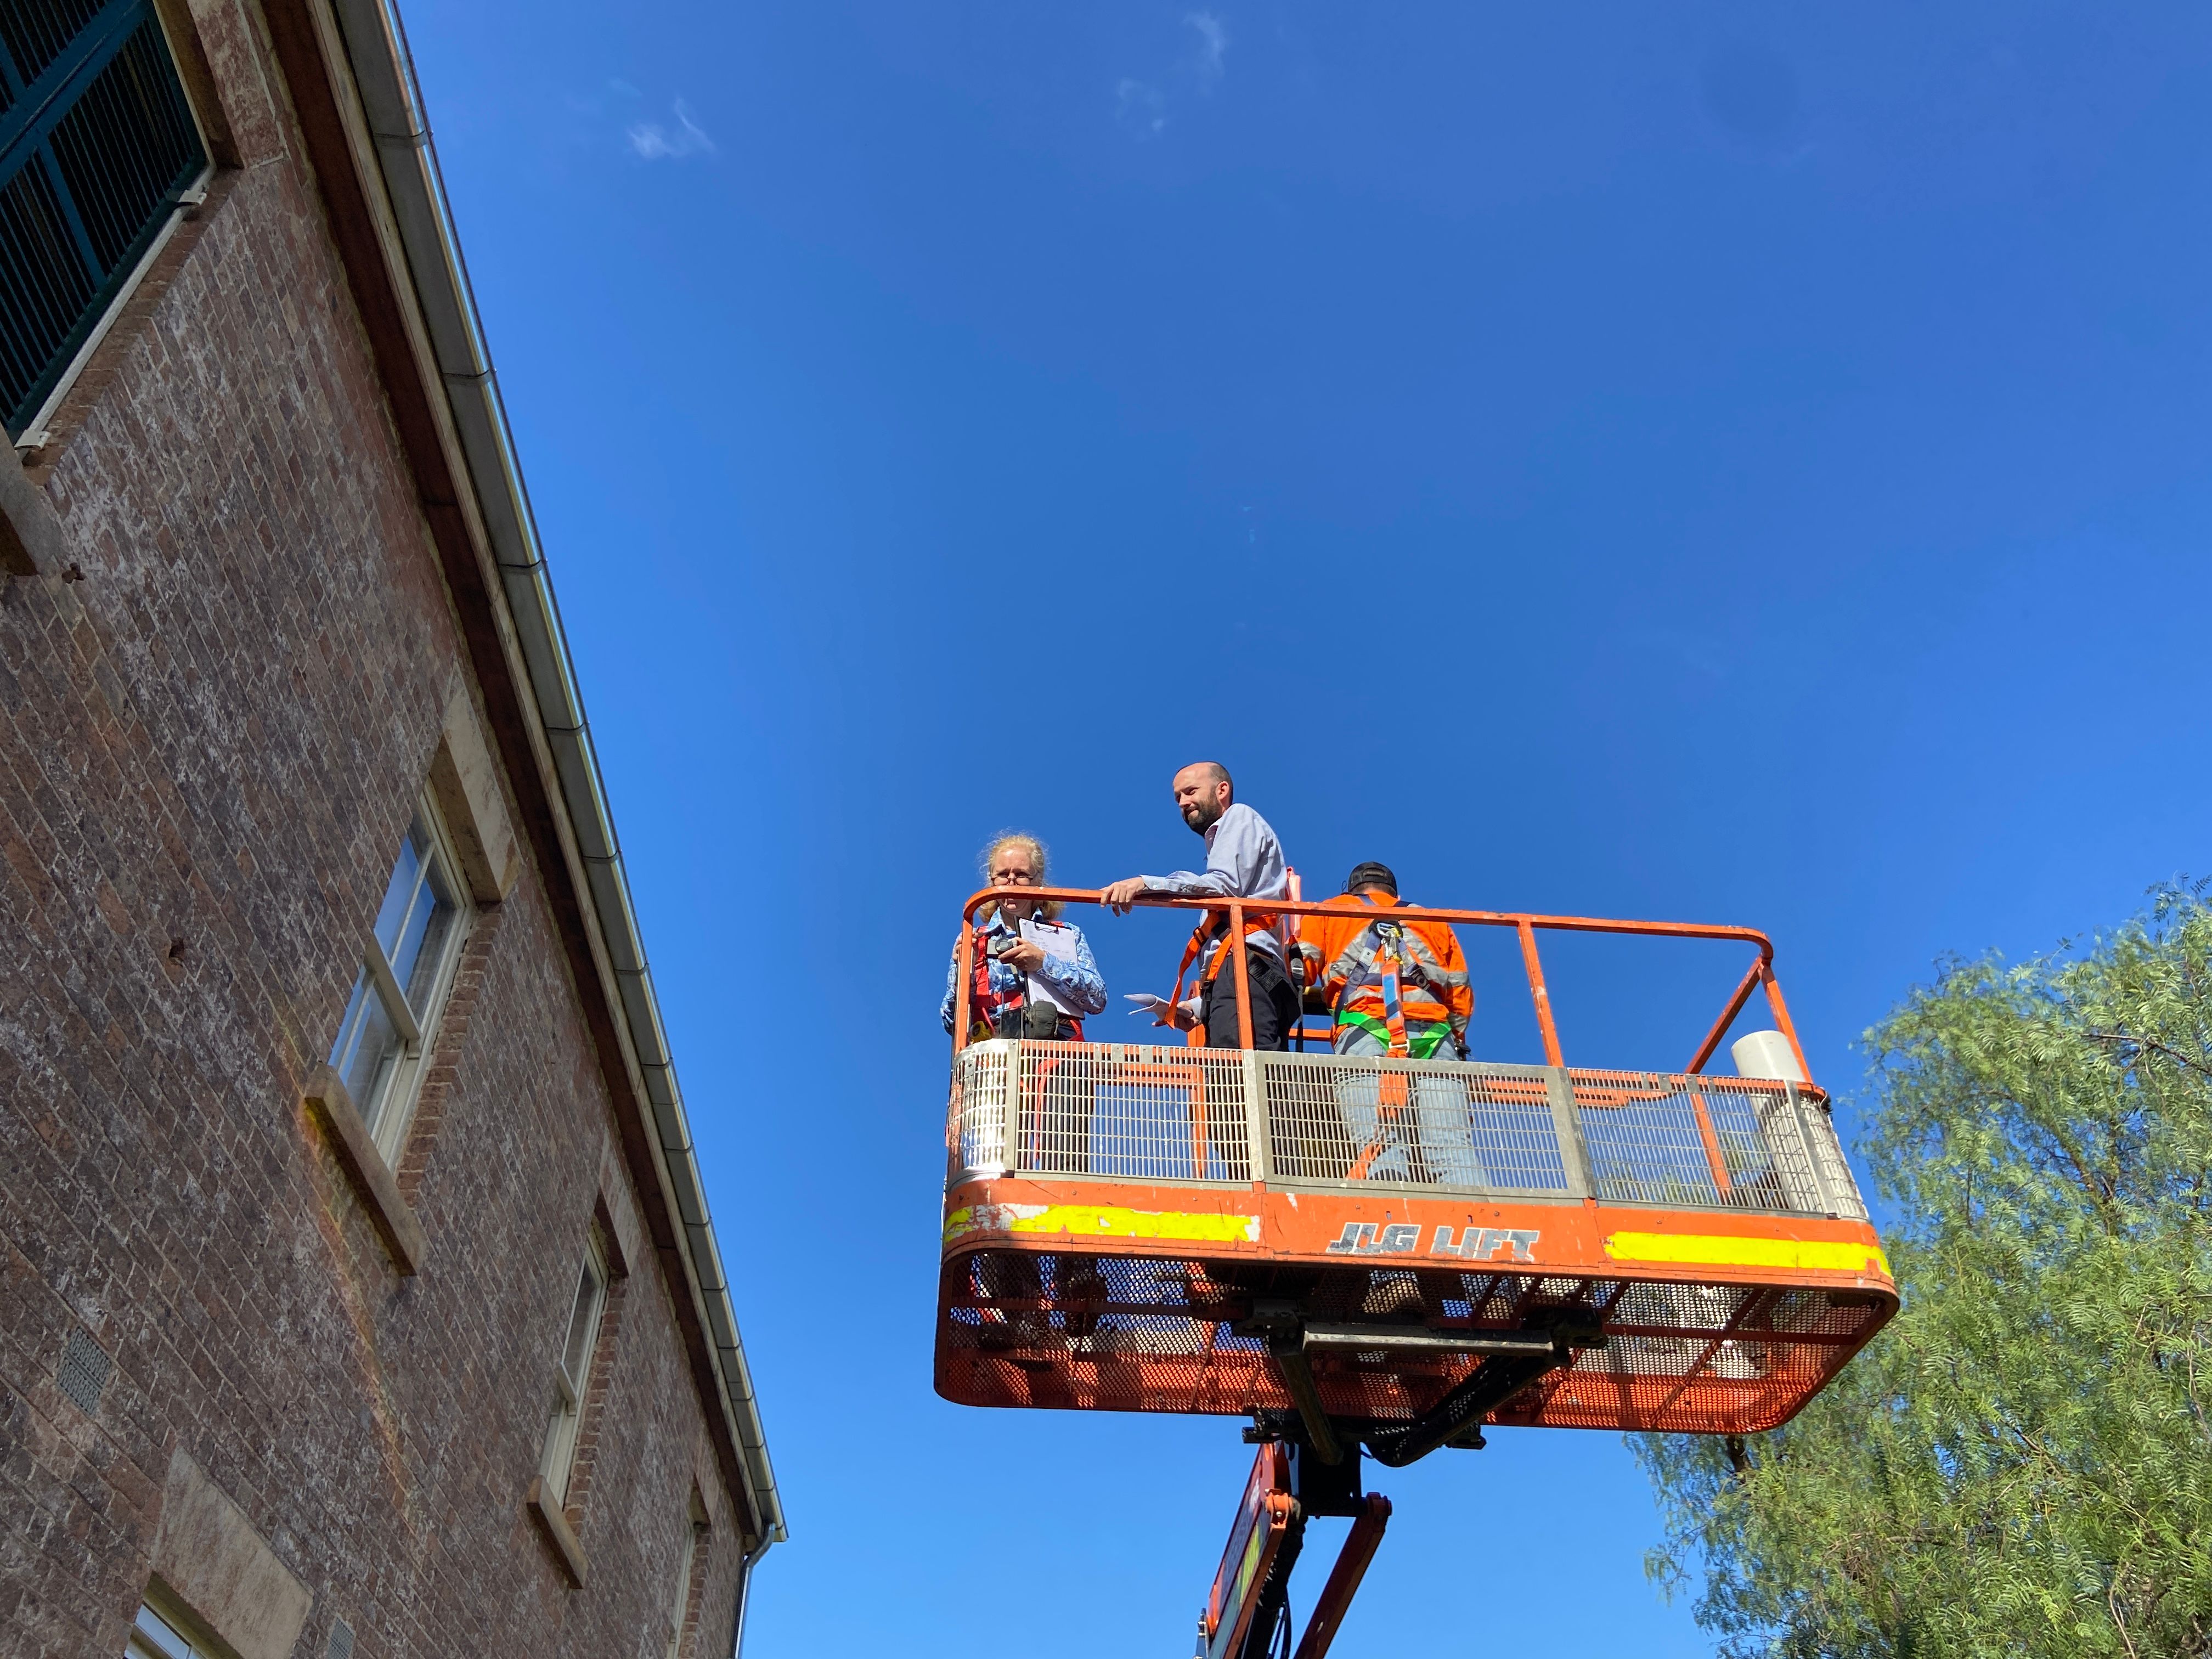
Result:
pixel 2021 1462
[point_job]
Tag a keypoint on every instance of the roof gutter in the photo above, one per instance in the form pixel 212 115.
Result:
pixel 384 72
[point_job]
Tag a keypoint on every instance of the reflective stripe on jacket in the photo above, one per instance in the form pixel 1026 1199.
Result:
pixel 1339 955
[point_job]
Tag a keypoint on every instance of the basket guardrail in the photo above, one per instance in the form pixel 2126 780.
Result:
pixel 1151 1112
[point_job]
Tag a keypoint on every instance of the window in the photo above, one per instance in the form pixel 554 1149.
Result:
pixel 574 1371
pixel 407 963
pixel 98 148
pixel 695 1533
pixel 153 1636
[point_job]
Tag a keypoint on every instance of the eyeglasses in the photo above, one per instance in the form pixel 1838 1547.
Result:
pixel 1012 878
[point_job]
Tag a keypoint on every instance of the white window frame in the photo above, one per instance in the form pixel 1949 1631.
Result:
pixel 153 1636
pixel 389 1115
pixel 695 1534
pixel 558 1461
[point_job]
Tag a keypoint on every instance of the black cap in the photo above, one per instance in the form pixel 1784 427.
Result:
pixel 1371 874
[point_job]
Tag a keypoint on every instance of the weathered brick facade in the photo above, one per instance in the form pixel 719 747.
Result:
pixel 223 687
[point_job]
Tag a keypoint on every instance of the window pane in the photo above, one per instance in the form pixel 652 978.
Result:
pixel 683 1607
pixel 152 1636
pixel 575 1363
pixel 399 891
pixel 559 1449
pixel 582 1320
pixel 420 954
pixel 367 1050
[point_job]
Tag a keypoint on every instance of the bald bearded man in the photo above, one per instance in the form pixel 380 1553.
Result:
pixel 1244 859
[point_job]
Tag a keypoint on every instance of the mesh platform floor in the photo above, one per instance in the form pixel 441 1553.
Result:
pixel 1098 1332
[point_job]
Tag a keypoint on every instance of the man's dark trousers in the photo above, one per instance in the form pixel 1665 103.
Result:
pixel 1275 1001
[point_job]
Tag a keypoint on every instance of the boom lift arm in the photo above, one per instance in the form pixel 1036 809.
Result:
pixel 1247 1610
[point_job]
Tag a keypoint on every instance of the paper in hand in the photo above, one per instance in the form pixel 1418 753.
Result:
pixel 1059 944
pixel 1053 938
pixel 1160 1008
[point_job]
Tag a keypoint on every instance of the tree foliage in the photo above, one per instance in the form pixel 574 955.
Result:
pixel 2022 1463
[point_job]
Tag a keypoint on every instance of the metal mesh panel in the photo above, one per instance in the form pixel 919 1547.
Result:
pixel 1132 1110
pixel 981 1092
pixel 1721 1142
pixel 1835 1174
pixel 1149 1113
pixel 1068 1330
pixel 85 1369
pixel 1477 1127
pixel 1704 1359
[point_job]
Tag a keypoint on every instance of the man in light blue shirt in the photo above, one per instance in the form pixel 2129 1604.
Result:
pixel 1244 859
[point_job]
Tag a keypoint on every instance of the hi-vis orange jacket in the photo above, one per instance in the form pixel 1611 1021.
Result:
pixel 1349 961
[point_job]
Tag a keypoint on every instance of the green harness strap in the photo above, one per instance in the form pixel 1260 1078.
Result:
pixel 1421 1041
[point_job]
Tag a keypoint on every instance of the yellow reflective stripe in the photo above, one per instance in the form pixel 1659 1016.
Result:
pixel 1104 1220
pixel 1212 1228
pixel 1705 1249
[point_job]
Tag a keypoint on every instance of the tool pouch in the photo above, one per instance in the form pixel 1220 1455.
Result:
pixel 1033 1022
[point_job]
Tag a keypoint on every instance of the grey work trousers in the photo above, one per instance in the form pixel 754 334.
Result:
pixel 1430 1137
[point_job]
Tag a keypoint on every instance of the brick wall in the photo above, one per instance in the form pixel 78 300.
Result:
pixel 214 723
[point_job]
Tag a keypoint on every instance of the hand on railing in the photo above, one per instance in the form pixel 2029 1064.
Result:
pixel 1121 896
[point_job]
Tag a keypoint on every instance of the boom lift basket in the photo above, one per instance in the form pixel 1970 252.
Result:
pixel 1140 1227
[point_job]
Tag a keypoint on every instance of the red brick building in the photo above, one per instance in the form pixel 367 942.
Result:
pixel 357 1292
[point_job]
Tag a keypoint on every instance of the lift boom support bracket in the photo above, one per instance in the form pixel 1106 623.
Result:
pixel 1289 1483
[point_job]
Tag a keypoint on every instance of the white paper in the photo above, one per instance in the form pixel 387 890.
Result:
pixel 1056 942
pixel 1162 1010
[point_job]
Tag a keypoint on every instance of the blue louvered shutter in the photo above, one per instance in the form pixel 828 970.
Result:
pixel 97 146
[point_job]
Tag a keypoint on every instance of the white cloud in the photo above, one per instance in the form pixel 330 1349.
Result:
pixel 1212 49
pixel 653 142
pixel 1140 105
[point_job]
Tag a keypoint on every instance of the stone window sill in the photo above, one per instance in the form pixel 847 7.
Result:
pixel 558 1533
pixel 31 539
pixel 372 1176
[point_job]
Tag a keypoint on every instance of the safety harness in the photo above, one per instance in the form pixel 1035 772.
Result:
pixel 1391 1091
pixel 1392 938
pixel 989 1007
pixel 1213 927
pixel 1396 957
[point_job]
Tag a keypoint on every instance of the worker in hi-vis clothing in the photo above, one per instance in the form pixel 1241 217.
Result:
pixel 1396 988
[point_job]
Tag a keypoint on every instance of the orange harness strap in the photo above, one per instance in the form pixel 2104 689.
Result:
pixel 1391 1091
pixel 1258 921
pixel 1394 1008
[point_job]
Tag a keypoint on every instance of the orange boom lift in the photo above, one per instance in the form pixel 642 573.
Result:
pixel 1166 1228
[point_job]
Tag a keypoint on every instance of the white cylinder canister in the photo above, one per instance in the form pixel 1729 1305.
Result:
pixel 1765 1053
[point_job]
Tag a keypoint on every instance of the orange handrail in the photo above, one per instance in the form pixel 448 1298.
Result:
pixel 1525 924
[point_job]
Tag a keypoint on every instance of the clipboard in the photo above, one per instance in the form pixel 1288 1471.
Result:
pixel 1057 942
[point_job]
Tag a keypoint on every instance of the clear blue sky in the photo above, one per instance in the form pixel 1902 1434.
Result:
pixel 1707 462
